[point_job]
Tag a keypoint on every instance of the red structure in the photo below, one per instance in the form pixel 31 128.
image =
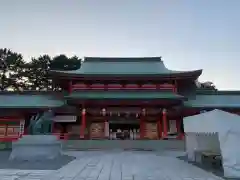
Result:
pixel 115 98
pixel 137 95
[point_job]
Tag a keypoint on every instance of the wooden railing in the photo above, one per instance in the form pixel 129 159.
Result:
pixel 169 87
pixel 9 133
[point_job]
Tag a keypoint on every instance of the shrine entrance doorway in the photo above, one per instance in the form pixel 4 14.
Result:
pixel 124 128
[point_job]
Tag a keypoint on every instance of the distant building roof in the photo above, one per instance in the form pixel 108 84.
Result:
pixel 144 66
pixel 10 101
pixel 215 99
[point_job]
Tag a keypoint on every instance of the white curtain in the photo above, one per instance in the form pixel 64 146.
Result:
pixel 191 145
pixel 208 142
pixel 230 149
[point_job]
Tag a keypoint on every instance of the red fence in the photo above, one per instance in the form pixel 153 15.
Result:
pixel 170 87
pixel 9 133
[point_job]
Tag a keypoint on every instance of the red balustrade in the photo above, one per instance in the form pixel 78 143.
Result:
pixel 114 86
pixel 166 87
pixel 131 86
pixel 9 133
pixel 149 86
pixel 125 87
pixel 97 86
pixel 79 87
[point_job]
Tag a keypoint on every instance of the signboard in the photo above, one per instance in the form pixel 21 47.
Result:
pixel 65 118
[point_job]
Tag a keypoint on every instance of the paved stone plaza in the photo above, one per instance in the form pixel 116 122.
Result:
pixel 116 165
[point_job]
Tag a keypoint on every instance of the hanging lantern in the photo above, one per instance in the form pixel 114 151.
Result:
pixel 164 111
pixel 104 112
pixel 137 115
pixel 83 111
pixel 144 112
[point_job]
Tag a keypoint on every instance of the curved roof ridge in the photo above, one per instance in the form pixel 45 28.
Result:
pixel 123 59
pixel 135 66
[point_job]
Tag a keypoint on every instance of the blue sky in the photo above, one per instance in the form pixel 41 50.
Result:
pixel 188 34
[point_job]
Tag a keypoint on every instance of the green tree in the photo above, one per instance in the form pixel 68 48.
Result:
pixel 12 70
pixel 38 70
pixel 62 62
pixel 16 74
pixel 38 73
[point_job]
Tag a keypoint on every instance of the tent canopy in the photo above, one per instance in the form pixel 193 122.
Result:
pixel 212 122
pixel 227 133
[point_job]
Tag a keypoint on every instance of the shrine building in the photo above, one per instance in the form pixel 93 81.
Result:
pixel 115 98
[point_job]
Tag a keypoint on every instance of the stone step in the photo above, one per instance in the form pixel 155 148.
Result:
pixel 137 145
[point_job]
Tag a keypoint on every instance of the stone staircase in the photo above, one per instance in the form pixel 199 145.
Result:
pixel 140 145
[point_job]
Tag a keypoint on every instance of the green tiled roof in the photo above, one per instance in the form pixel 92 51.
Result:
pixel 29 101
pixel 126 66
pixel 123 95
pixel 215 100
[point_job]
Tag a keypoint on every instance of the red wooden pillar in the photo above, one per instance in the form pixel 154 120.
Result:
pixel 160 128
pixel 82 130
pixel 142 124
pixel 165 123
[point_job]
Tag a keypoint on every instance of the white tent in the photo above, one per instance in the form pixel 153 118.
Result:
pixel 216 131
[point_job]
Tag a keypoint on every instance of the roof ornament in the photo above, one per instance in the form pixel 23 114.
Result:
pixel 198 84
pixel 208 83
pixel 205 85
